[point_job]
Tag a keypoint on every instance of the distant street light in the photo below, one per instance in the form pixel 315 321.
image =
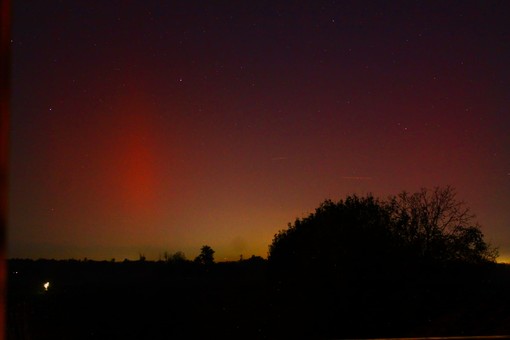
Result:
pixel 46 285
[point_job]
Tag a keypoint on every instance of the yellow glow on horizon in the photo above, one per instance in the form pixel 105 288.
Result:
pixel 503 259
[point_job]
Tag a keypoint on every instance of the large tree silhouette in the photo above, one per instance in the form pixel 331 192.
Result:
pixel 350 235
pixel 434 224
pixel 364 235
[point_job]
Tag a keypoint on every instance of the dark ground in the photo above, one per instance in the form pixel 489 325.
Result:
pixel 157 300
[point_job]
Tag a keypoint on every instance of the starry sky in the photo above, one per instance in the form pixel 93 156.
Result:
pixel 152 126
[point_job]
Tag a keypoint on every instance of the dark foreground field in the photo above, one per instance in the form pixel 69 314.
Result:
pixel 157 300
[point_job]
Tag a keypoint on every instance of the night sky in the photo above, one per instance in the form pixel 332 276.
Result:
pixel 152 126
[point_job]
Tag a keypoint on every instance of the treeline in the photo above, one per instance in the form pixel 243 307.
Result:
pixel 411 265
pixel 27 276
pixel 425 227
pixel 246 299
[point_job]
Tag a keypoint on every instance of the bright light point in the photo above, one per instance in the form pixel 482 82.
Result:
pixel 46 286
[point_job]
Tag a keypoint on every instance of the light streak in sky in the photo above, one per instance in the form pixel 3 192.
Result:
pixel 357 178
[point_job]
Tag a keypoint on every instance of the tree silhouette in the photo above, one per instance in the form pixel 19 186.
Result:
pixel 206 256
pixel 435 225
pixel 177 257
pixel 362 235
pixel 339 237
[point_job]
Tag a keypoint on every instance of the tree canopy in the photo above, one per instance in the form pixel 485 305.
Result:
pixel 434 224
pixel 206 255
pixel 361 232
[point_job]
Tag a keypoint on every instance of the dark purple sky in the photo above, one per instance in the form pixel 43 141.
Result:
pixel 152 126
